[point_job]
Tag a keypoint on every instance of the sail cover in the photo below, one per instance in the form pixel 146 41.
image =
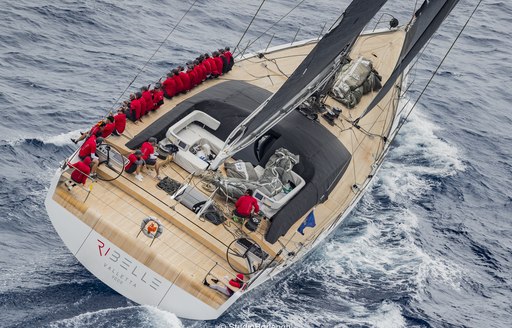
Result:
pixel 311 73
pixel 427 20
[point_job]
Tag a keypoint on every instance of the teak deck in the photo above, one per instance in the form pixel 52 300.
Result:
pixel 189 248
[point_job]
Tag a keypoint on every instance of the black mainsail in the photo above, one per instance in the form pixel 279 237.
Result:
pixel 427 20
pixel 312 73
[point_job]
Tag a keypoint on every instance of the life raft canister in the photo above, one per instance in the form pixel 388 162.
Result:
pixel 151 231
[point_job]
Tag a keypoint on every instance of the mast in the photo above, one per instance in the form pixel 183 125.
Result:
pixel 316 69
pixel 426 21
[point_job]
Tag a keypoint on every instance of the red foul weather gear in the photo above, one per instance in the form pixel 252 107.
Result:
pixel 81 170
pixel 147 149
pixel 245 204
pixel 120 122
pixel 108 129
pixel 135 109
pixel 169 87
pixel 88 148
pixel 149 100
pixel 185 79
pixel 158 99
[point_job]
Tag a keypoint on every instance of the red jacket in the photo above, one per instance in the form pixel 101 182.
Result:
pixel 179 83
pixel 95 130
pixel 213 65
pixel 158 97
pixel 218 62
pixel 131 160
pixel 205 71
pixel 120 122
pixel 149 100
pixel 88 148
pixel 229 57
pixel 193 78
pixel 207 66
pixel 143 106
pixel 147 149
pixel 245 204
pixel 108 129
pixel 199 74
pixel 170 87
pixel 185 79
pixel 135 108
pixel 81 170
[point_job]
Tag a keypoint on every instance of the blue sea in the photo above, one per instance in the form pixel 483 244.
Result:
pixel 429 245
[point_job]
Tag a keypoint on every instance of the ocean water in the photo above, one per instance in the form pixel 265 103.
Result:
pixel 429 245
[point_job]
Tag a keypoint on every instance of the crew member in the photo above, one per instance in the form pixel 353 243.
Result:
pixel 237 282
pixel 109 128
pixel 225 61
pixel 230 58
pixel 245 204
pixel 80 173
pixel 158 96
pixel 185 80
pixel 149 156
pixel 177 80
pixel 93 131
pixel 218 62
pixel 207 65
pixel 134 108
pixel 88 149
pixel 120 121
pixel 143 105
pixel 169 86
pixel 135 163
pixel 201 70
pixel 146 94
pixel 191 75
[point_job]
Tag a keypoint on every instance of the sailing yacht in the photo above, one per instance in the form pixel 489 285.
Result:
pixel 306 126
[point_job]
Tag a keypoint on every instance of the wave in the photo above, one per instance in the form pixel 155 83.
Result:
pixel 375 264
pixel 133 316
pixel 63 139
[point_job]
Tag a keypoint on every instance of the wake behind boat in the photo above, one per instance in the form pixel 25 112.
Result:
pixel 302 129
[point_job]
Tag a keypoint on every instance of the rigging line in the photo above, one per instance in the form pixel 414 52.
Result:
pixel 402 122
pixel 154 53
pixel 272 26
pixel 248 26
pixel 277 65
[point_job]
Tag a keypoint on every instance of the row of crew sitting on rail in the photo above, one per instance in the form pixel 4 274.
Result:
pixel 179 81
pixel 204 67
pixel 112 124
pixel 144 101
pixel 141 103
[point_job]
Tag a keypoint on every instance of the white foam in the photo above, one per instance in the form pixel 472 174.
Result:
pixel 61 139
pixel 387 248
pixel 58 140
pixel 151 316
pixel 389 315
pixel 418 137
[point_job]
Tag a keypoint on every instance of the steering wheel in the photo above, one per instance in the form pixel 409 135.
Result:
pixel 231 252
pixel 111 152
